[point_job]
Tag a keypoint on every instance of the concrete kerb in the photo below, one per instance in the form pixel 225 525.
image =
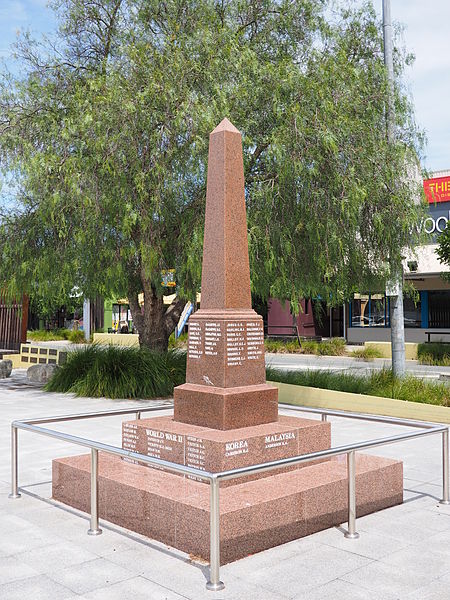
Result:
pixel 321 398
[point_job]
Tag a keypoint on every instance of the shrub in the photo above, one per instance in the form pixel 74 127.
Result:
pixel 119 372
pixel 328 380
pixel 332 347
pixel 44 335
pixel 180 342
pixel 76 336
pixel 434 353
pixel 310 347
pixel 281 346
pixel 367 353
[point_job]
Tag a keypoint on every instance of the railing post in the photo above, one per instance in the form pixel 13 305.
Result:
pixel 138 414
pixel 214 584
pixel 351 475
pixel 324 417
pixel 94 528
pixel 445 469
pixel 14 464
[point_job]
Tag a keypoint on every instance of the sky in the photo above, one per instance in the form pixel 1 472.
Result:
pixel 425 34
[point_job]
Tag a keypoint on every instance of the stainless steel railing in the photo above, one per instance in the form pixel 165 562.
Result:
pixel 214 479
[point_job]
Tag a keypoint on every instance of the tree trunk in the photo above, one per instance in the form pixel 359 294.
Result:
pixel 396 316
pixel 154 322
pixel 153 334
pixel 398 330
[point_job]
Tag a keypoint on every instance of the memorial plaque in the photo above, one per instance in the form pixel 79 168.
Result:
pixel 130 439
pixel 211 450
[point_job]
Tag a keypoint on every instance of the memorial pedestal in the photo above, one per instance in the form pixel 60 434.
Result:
pixel 254 515
pixel 225 378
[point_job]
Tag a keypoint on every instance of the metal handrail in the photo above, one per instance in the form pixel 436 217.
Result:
pixel 214 479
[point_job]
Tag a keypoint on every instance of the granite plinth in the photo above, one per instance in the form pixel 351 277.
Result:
pixel 254 516
pixel 214 451
pixel 225 348
pixel 225 375
pixel 225 408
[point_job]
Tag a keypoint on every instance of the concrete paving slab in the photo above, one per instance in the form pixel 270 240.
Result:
pixel 90 575
pixel 137 588
pixel 307 571
pixel 387 579
pixel 56 556
pixel 437 590
pixel 41 536
pixel 343 590
pixel 371 545
pixel 40 587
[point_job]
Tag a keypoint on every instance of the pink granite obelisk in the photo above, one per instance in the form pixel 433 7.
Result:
pixel 225 390
pixel 225 380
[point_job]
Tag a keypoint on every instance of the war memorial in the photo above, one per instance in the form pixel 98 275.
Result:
pixel 226 417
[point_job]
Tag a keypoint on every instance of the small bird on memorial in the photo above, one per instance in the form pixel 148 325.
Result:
pixel 207 380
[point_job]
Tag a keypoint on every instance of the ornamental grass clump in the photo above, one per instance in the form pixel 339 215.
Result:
pixel 116 372
pixel 282 346
pixel 367 353
pixel 332 347
pixel 328 380
pixel 434 353
pixel 51 335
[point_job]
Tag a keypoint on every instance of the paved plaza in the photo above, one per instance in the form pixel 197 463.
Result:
pixel 45 554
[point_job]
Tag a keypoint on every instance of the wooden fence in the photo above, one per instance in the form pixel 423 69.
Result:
pixel 13 323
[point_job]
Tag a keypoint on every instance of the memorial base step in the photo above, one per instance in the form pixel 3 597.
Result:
pixel 214 450
pixel 254 516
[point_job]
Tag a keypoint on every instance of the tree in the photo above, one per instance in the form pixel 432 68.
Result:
pixel 443 251
pixel 107 136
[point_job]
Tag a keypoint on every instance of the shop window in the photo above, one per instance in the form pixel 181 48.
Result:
pixel 412 312
pixel 377 317
pixel 360 310
pixel 439 309
pixel 369 310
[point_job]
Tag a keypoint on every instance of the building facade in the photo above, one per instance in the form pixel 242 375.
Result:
pixel 366 317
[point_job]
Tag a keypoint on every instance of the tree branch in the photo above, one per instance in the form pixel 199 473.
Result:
pixel 172 314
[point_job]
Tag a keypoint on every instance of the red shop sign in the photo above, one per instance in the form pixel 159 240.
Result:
pixel 437 189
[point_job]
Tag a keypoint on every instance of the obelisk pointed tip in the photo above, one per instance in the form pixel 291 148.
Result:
pixel 225 125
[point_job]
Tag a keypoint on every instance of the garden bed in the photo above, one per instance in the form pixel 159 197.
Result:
pixel 380 383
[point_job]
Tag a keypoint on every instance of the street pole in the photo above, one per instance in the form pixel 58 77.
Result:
pixel 396 284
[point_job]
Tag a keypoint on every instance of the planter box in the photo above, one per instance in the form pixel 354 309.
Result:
pixel 117 339
pixel 385 349
pixel 320 398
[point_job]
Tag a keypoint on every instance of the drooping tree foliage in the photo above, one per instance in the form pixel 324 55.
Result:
pixel 443 252
pixel 107 135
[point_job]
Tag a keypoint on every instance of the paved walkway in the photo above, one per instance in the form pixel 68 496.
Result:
pixel 45 554
pixel 347 364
